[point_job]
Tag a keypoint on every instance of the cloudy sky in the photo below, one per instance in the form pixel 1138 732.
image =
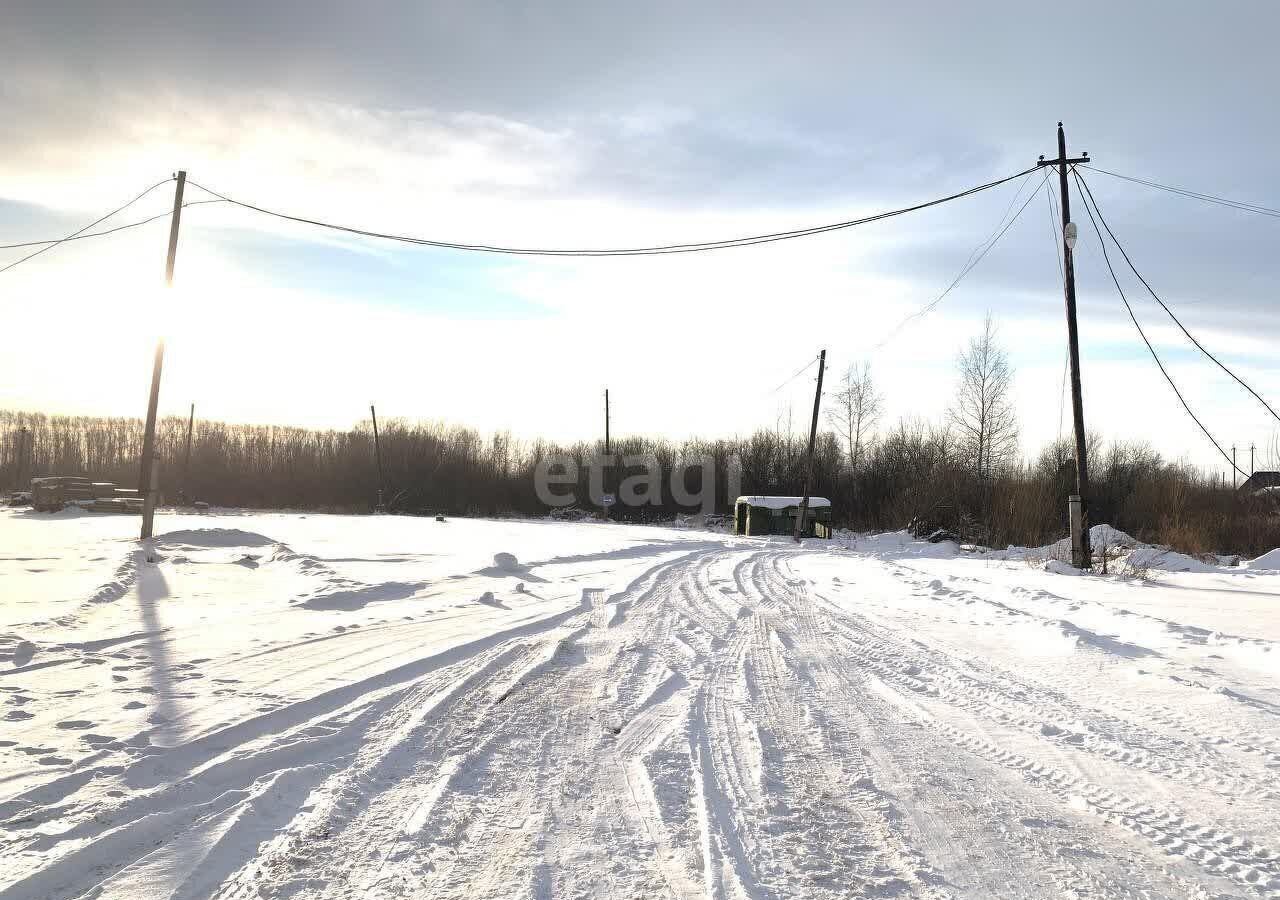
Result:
pixel 614 124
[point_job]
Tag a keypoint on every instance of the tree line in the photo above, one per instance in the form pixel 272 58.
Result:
pixel 964 473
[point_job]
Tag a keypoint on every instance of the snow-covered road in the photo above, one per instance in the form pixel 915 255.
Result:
pixel 324 707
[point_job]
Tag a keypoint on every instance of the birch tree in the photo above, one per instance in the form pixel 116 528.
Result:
pixel 855 408
pixel 983 412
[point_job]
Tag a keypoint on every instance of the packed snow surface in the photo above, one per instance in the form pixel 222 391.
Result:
pixel 381 707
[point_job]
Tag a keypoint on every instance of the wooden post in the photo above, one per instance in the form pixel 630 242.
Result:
pixel 377 452
pixel 1081 553
pixel 186 461
pixel 813 436
pixel 147 483
pixel 608 456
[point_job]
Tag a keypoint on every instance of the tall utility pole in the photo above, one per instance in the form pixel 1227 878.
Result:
pixel 147 485
pixel 608 451
pixel 25 446
pixel 1078 504
pixel 813 437
pixel 1251 446
pixel 186 457
pixel 1234 470
pixel 377 452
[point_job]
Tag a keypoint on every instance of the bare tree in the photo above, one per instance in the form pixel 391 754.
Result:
pixel 855 408
pixel 983 412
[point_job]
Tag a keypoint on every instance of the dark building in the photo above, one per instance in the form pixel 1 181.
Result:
pixel 1260 481
pixel 777 515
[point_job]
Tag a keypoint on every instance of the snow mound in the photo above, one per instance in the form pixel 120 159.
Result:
pixel 902 543
pixel 1058 567
pixel 507 562
pixel 1106 536
pixel 1268 561
pixel 214 537
pixel 1165 561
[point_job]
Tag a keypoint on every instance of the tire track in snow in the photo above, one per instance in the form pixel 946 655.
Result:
pixel 896 664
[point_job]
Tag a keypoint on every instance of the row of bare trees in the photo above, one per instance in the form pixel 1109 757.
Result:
pixel 963 473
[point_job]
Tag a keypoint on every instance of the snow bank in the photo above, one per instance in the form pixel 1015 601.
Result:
pixel 1134 556
pixel 1106 536
pixel 1146 557
pixel 1267 561
pixel 902 543
pixel 214 537
pixel 1058 567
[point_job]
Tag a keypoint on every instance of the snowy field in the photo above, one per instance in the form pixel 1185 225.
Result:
pixel 325 707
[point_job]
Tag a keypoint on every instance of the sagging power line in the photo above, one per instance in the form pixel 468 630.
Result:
pixel 1150 290
pixel 79 231
pixel 1195 195
pixel 975 256
pixel 1151 349
pixel 104 232
pixel 656 250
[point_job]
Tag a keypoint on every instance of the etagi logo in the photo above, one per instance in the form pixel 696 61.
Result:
pixel 558 481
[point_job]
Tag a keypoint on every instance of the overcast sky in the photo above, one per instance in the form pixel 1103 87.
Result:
pixel 605 124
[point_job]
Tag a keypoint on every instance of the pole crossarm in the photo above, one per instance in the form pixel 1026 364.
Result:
pixel 1075 160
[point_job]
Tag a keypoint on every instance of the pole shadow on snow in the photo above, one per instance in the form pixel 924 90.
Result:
pixel 167 715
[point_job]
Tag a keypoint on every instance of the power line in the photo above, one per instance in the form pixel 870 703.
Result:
pixel 78 231
pixel 1240 381
pixel 1054 232
pixel 631 251
pixel 968 267
pixel 107 231
pixel 1208 198
pixel 807 367
pixel 1152 350
pixel 1054 218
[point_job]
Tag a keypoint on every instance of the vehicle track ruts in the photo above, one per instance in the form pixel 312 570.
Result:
pixel 1218 850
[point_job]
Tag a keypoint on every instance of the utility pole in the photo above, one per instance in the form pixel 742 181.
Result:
pixel 1078 503
pixel 24 453
pixel 813 436
pixel 377 452
pixel 1234 470
pixel 1251 460
pixel 147 484
pixel 186 460
pixel 608 452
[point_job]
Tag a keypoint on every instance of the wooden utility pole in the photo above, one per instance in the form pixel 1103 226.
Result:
pixel 1234 470
pixel 26 444
pixel 147 483
pixel 813 437
pixel 608 455
pixel 1081 552
pixel 186 457
pixel 1251 446
pixel 377 452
